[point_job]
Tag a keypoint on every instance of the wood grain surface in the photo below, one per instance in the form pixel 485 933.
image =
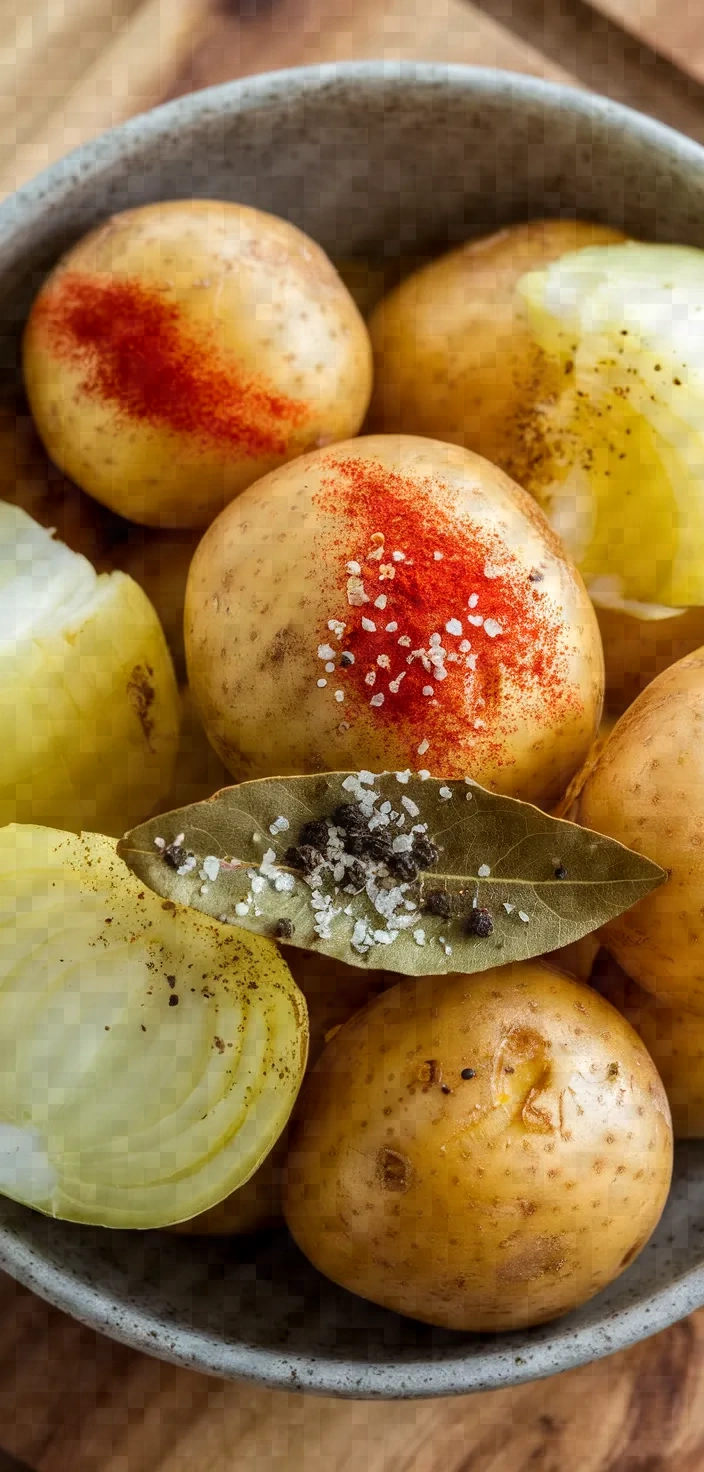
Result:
pixel 71 1401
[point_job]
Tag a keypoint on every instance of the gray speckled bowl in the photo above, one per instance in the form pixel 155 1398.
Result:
pixel 380 158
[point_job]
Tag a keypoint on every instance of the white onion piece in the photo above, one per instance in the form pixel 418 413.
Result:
pixel 626 432
pixel 118 1104
pixel 89 707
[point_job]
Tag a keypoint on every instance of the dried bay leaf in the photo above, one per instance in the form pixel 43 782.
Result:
pixel 543 881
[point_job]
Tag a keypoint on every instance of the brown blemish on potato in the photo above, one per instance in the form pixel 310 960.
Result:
pixel 141 695
pixel 394 1171
pixel 537 1259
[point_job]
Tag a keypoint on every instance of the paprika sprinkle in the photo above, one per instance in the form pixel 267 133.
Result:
pixel 136 353
pixel 449 635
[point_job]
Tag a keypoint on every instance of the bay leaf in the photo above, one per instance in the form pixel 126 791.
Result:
pixel 543 882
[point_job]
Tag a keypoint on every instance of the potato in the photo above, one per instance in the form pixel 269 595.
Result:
pixel 481 1153
pixel 184 349
pixel 334 992
pixel 393 603
pixel 674 1039
pixel 454 355
pixel 647 791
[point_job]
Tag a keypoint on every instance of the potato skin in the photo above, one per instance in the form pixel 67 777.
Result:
pixel 510 1199
pixel 271 572
pixel 674 1039
pixel 647 791
pixel 241 316
pixel 454 355
pixel 333 992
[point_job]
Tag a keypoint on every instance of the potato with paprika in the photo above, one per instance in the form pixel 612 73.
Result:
pixel 481 1153
pixel 183 349
pixel 393 603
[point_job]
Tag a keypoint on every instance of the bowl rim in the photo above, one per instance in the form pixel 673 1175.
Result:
pixel 352 1379
pixel 64 1288
pixel 246 94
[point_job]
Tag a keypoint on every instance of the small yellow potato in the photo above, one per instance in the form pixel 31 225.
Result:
pixel 88 698
pixel 395 603
pixel 333 993
pixel 455 355
pixel 481 1153
pixel 674 1039
pixel 183 349
pixel 647 791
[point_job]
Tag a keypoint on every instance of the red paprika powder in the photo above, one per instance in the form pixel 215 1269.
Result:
pixel 136 353
pixel 450 635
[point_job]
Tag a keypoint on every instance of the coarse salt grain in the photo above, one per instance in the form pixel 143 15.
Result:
pixel 343 726
pixel 369 625
pixel 188 865
pixel 522 916
pixel 384 937
pixel 204 888
pixel 279 825
pixel 404 641
pixel 437 556
pixel 403 843
pixel 410 806
pixel 330 667
pixel 160 843
pixel 428 690
pixel 473 600
pixel 211 865
pixel 492 628
pixel 453 626
pixel 483 871
pixel 508 908
pixel 424 774
pixel 336 627
pixel 419 937
pixel 321 684
pixel 399 556
pixel 377 699
pixel 381 601
pixel 366 778
pixel 403 777
pixel 424 745
pixel 435 641
pixel 479 725
pixel 339 696
pixel 325 652
pixel 465 646
pixel 395 685
pixel 356 593
pixel 370 678
pixel 476 619
pixel 179 838
pixel 354 567
pixel 241 908
pixel 392 627
pixel 383 661
pixel 284 883
pixel 445 793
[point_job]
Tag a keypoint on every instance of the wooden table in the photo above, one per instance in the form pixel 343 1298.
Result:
pixel 71 1401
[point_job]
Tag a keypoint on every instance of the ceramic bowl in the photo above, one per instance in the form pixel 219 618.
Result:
pixel 388 161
